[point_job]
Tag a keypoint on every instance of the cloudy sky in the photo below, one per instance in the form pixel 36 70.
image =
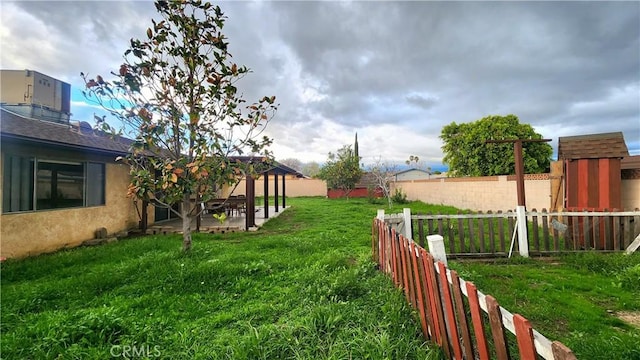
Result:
pixel 394 72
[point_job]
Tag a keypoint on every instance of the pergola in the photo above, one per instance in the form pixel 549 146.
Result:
pixel 274 169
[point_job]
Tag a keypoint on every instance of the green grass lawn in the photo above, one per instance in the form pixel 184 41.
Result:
pixel 303 287
pixel 578 299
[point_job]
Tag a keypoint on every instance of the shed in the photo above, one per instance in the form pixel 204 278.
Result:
pixel 592 167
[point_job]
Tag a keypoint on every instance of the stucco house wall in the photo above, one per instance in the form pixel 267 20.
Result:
pixel 35 232
pixel 412 174
pixel 294 186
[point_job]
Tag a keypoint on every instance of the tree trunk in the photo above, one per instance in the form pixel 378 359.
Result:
pixel 186 223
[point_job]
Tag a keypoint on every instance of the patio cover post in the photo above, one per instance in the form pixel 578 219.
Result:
pixel 275 191
pixel 284 193
pixel 266 195
pixel 250 211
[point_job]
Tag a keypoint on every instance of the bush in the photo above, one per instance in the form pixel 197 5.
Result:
pixel 399 197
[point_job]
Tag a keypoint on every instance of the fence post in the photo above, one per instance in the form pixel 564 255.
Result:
pixel 523 240
pixel 436 248
pixel 380 214
pixel 406 212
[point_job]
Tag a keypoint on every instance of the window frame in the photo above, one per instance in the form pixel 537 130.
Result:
pixel 93 194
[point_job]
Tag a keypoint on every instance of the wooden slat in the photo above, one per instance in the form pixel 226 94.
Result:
pixel 561 352
pixel 463 248
pixel 608 241
pixel 430 311
pixel 421 235
pixel 481 234
pixel 403 265
pixel 492 239
pixel 419 291
pixel 586 233
pixel 545 230
pixel 627 234
pixel 497 329
pixel 501 231
pixel 476 318
pixel 410 258
pixel 461 315
pixel 472 242
pixel 511 222
pixel 535 229
pixel 575 232
pixel 430 227
pixel 524 336
pixel 394 258
pixel 617 243
pixel 452 245
pixel 449 313
pixel 440 228
pixel 437 304
pixel 595 233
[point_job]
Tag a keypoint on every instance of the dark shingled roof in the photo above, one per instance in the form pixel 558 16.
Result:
pixel 14 126
pixel 594 146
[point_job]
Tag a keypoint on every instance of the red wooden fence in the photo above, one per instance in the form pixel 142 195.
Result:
pixel 457 326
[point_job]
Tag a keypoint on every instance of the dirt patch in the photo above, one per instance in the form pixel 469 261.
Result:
pixel 631 317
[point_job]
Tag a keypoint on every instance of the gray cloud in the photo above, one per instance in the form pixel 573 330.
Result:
pixel 392 70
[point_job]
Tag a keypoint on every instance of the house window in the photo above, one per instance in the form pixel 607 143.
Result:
pixel 32 184
pixel 95 184
pixel 60 185
pixel 17 187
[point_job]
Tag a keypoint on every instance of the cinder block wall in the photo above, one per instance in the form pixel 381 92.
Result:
pixel 479 193
pixel 497 192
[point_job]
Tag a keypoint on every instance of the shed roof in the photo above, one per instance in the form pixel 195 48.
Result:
pixel 14 126
pixel 592 146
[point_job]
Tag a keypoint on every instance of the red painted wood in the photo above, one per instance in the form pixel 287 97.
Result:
pixel 403 265
pixel 615 184
pixel 524 336
pixel 452 329
pixel 497 329
pixel 412 274
pixel 571 183
pixel 430 312
pixel 594 185
pixel 476 318
pixel 604 179
pixel 419 293
pixel 409 272
pixel 394 257
pixel 437 305
pixel 583 183
pixel 561 352
pixel 461 314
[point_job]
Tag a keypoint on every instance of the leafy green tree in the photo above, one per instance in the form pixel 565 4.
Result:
pixel 311 169
pixel 342 170
pixel 175 94
pixel 467 154
pixel 292 163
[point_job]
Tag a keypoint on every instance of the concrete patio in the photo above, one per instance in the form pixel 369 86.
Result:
pixel 209 224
